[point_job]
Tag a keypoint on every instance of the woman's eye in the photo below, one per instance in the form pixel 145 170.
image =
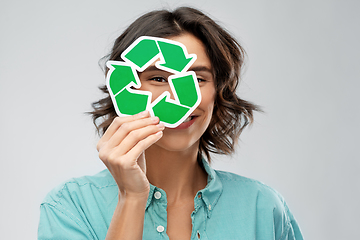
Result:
pixel 158 79
pixel 201 80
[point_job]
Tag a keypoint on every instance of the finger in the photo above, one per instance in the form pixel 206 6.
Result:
pixel 141 162
pixel 116 161
pixel 144 144
pixel 136 136
pixel 129 127
pixel 116 123
pixel 113 150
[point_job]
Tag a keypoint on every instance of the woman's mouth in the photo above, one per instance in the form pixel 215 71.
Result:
pixel 187 122
pixel 188 119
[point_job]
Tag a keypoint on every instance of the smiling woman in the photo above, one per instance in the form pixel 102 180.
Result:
pixel 231 113
pixel 158 183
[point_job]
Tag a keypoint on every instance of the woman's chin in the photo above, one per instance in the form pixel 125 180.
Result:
pixel 175 144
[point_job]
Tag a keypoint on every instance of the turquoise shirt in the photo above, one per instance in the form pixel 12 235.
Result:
pixel 229 207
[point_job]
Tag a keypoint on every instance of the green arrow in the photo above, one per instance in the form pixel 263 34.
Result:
pixel 169 112
pixel 120 76
pixel 131 103
pixel 185 89
pixel 142 52
pixel 174 56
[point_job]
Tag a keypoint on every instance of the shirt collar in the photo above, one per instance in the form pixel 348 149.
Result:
pixel 210 194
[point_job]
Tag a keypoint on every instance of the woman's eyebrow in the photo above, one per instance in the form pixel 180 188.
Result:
pixel 201 69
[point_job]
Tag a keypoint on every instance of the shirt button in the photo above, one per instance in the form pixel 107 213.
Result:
pixel 157 195
pixel 209 207
pixel 160 229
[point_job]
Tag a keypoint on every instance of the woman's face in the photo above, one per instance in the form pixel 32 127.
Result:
pixel 154 80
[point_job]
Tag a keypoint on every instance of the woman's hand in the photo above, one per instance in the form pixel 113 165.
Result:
pixel 122 150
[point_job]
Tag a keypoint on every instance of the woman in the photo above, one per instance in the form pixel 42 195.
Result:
pixel 158 184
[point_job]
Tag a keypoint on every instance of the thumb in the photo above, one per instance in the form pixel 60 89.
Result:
pixel 142 162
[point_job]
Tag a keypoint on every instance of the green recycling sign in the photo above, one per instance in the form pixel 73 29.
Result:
pixel 123 81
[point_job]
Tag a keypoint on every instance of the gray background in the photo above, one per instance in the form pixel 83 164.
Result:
pixel 303 69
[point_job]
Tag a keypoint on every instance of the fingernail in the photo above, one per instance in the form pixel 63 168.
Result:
pixel 143 114
pixel 154 119
pixel 161 126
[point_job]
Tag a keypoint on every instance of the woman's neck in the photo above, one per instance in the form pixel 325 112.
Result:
pixel 178 173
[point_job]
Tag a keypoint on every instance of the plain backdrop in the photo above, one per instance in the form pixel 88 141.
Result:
pixel 303 69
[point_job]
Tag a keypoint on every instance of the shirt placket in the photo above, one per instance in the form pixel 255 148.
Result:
pixel 158 210
pixel 199 218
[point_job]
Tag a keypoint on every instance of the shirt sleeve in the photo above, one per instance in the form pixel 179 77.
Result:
pixel 293 230
pixel 56 223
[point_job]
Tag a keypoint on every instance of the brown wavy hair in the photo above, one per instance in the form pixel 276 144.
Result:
pixel 231 114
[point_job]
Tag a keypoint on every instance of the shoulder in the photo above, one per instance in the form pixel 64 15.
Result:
pixel 78 188
pixel 254 199
pixel 80 208
pixel 231 180
pixel 251 191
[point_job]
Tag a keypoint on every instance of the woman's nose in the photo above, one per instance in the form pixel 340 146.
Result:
pixel 161 90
